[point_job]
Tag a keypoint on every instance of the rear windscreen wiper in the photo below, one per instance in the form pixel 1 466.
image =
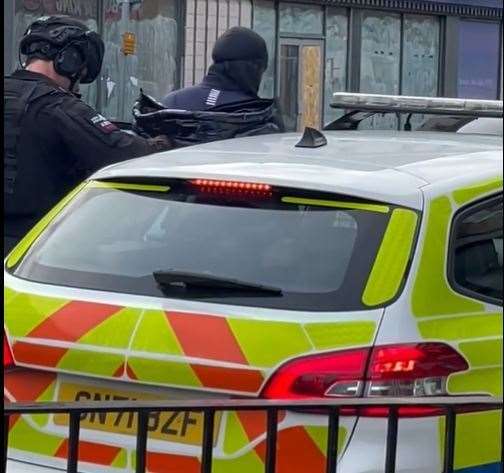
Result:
pixel 188 280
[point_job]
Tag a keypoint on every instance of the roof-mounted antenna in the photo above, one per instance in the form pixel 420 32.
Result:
pixel 312 138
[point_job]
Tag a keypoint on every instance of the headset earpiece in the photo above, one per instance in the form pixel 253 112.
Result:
pixel 69 61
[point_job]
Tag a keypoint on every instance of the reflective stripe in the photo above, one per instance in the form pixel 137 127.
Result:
pixel 91 452
pixel 159 462
pixel 235 437
pixel 483 352
pixel 73 321
pixel 327 336
pixel 431 293
pixel 37 355
pixel 476 191
pixel 127 186
pixel 392 259
pixel 113 332
pixel 90 362
pixel 216 377
pixel 319 435
pixel 462 327
pixel 155 334
pixel 164 372
pixel 249 462
pixel 23 312
pixel 22 247
pixel 479 381
pixel 477 438
pixel 267 343
pixel 296 452
pixel 206 336
pixel 24 437
pixel 337 204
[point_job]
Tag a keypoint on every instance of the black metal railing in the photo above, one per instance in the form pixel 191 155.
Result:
pixel 450 408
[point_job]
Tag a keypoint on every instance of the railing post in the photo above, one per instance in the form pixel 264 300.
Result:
pixel 449 450
pixel 271 440
pixel 141 446
pixel 391 447
pixel 73 442
pixel 6 443
pixel 207 447
pixel 332 440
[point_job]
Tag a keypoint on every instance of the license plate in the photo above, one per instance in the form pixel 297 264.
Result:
pixel 180 427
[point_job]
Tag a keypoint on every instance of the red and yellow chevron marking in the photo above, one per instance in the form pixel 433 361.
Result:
pixel 296 452
pixel 91 452
pixel 74 320
pixel 247 381
pixel 38 355
pixel 254 422
pixel 27 385
pixel 202 351
pixel 169 463
pixel 206 336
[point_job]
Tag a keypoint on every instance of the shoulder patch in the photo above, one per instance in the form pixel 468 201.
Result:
pixel 104 125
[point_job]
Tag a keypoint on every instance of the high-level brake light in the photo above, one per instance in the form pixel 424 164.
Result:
pixel 427 105
pixel 414 370
pixel 232 187
pixel 8 359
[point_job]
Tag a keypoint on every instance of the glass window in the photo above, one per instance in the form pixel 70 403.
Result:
pixel 319 257
pixel 478 62
pixel 420 67
pixel 264 24
pixel 335 58
pixel 477 251
pixel 299 18
pixel 420 56
pixel 380 60
pixel 289 85
pixel 27 11
pixel 152 68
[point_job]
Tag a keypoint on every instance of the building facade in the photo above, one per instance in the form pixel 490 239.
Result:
pixel 316 47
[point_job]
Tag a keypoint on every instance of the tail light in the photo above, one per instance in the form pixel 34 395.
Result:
pixel 8 359
pixel 410 370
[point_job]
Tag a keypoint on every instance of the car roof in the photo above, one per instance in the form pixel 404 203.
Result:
pixel 386 166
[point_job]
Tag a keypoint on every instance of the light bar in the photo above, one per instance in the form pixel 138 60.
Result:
pixel 407 104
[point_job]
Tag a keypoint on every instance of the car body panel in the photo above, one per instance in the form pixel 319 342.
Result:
pixel 166 346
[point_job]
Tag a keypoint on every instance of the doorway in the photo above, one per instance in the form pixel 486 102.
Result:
pixel 301 83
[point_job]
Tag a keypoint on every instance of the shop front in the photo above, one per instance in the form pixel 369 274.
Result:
pixel 316 48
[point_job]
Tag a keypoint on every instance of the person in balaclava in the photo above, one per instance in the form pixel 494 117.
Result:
pixel 240 58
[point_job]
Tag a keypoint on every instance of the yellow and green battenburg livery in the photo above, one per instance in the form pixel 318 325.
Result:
pixel 473 327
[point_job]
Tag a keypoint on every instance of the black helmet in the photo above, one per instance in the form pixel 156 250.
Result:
pixel 68 43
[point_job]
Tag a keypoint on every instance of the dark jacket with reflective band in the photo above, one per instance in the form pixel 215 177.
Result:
pixel 52 142
pixel 184 127
pixel 214 90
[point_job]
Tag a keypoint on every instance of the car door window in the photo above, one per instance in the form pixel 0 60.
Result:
pixel 476 251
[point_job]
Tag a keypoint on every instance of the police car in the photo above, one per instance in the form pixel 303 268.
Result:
pixel 353 263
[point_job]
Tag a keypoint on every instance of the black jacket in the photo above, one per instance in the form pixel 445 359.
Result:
pixel 216 89
pixel 52 142
pixel 184 127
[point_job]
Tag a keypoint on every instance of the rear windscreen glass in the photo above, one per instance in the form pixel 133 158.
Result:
pixel 318 250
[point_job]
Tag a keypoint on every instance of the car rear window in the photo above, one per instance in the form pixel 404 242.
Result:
pixel 318 249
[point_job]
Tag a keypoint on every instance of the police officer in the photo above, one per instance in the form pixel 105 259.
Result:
pixel 240 58
pixel 53 140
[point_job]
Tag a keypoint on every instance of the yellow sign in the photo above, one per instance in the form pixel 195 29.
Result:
pixel 180 427
pixel 128 43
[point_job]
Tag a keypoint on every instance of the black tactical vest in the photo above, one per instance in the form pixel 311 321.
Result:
pixel 18 95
